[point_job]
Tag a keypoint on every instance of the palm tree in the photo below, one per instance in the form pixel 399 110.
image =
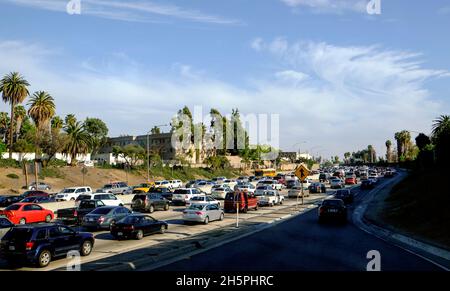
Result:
pixel 388 150
pixel 403 139
pixel 4 124
pixel 14 91
pixel 441 124
pixel 70 119
pixel 57 124
pixel 42 109
pixel 19 113
pixel 78 141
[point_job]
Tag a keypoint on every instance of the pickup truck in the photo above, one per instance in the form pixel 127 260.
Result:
pixel 75 215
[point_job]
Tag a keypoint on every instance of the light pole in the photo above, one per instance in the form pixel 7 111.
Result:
pixel 299 143
pixel 148 150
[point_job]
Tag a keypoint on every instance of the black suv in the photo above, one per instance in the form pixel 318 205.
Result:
pixel 40 243
pixel 345 195
pixel 149 202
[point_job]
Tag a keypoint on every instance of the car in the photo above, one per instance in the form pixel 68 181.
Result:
pixel 240 201
pixel 72 193
pixel 203 213
pixel 350 180
pixel 174 184
pixel 149 202
pixel 317 188
pixel 107 198
pixel 332 209
pixel 220 192
pixel 181 195
pixel 218 179
pixel 22 213
pixel 270 198
pixel 163 191
pixel 39 186
pixel 367 184
pixel 261 189
pixel 292 183
pixel 146 185
pixel 242 180
pixel 137 226
pixel 6 200
pixel 38 199
pixel 297 192
pixel 274 184
pixel 345 195
pixel 118 188
pixel 75 215
pixel 245 187
pixel 35 193
pixel 163 184
pixel 105 216
pixel 363 175
pixel 40 244
pixel 202 199
pixel 204 186
pixel 5 226
pixel 336 184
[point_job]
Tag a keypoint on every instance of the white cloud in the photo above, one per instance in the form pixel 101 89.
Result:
pixel 139 11
pixel 329 6
pixel 341 98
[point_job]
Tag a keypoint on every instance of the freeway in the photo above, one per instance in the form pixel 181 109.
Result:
pixel 302 244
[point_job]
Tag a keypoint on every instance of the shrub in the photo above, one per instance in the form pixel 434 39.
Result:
pixel 9 163
pixel 12 176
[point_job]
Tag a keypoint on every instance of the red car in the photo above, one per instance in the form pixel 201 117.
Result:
pixel 22 213
pixel 350 181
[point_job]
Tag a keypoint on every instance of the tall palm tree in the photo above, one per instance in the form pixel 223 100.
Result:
pixel 403 139
pixel 19 113
pixel 42 109
pixel 70 119
pixel 388 150
pixel 14 90
pixel 4 124
pixel 78 141
pixel 442 123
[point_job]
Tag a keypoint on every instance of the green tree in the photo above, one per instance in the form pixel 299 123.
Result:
pixel 57 124
pixel 4 124
pixel 20 114
pixel 132 153
pixel 78 141
pixel 422 140
pixel 155 130
pixel 441 139
pixel 14 90
pixel 70 119
pixel 388 151
pixel 42 109
pixel 403 139
pixel 98 132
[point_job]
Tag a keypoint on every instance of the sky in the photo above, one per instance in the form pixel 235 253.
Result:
pixel 338 77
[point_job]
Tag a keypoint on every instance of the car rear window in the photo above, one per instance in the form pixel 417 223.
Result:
pixel 13 207
pixel 181 191
pixel 87 204
pixel 332 203
pixel 142 197
pixel 196 207
pixel 19 234
pixel 84 197
pixel 68 191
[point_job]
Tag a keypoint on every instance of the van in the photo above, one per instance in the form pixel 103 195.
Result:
pixel 241 200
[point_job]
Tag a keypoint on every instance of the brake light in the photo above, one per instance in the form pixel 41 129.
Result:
pixel 29 245
pixel 128 227
pixel 199 213
pixel 101 219
pixel 321 209
pixel 75 213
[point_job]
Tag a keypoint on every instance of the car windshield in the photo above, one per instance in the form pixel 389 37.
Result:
pixel 198 198
pixel 181 191
pixel 196 207
pixel 83 197
pixel 13 207
pixel 87 204
pixel 101 210
pixel 107 186
pixel 68 191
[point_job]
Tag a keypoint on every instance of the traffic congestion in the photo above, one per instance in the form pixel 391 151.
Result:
pixel 34 235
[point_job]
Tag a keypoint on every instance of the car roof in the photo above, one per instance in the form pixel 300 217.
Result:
pixel 37 225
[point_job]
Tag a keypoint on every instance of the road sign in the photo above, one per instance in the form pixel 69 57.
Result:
pixel 302 172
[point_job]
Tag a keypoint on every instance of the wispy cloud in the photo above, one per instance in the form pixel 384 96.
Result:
pixel 444 10
pixel 329 6
pixel 140 11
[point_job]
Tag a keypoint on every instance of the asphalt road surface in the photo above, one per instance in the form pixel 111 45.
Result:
pixel 302 244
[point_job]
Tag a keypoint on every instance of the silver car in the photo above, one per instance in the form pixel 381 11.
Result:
pixel 40 186
pixel 203 213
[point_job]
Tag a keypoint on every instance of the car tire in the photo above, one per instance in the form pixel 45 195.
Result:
pixel 281 202
pixel 272 204
pixel 48 218
pixel 112 223
pixel 44 258
pixel 166 207
pixel 256 207
pixel 206 221
pixel 139 235
pixel 151 209
pixel 47 189
pixel 86 248
pixel 163 229
pixel 221 216
pixel 22 221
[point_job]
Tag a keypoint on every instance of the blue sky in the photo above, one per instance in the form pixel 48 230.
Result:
pixel 339 78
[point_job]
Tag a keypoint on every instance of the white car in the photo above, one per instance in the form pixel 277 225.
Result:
pixel 245 187
pixel 270 198
pixel 163 184
pixel 261 189
pixel 182 195
pixel 202 199
pixel 307 183
pixel 108 199
pixel 296 191
pixel 275 184
pixel 220 192
pixel 174 184
pixel 336 184
pixel 72 193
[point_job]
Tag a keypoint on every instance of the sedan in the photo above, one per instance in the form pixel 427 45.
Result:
pixel 137 226
pixel 220 193
pixel 38 199
pixel 350 181
pixel 104 217
pixel 203 213
pixel 39 186
pixel 202 199
pixel 260 190
pixel 333 209
pixel 336 184
pixel 296 192
pixel 345 195
pixel 5 226
pixel 317 188
pixel 5 201
pixel 367 184
pixel 22 213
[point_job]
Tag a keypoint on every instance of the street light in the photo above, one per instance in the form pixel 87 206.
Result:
pixel 148 150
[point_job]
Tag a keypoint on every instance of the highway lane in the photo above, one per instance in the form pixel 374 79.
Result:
pixel 302 244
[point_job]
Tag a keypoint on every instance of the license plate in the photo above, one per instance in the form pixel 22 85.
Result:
pixel 333 210
pixel 120 233
pixel 12 248
pixel 91 219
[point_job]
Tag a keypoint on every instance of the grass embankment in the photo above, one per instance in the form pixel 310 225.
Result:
pixel 420 206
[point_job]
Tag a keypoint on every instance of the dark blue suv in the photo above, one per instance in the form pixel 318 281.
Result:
pixel 40 243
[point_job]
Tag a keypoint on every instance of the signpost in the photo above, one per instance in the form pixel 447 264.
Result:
pixel 302 172
pixel 84 171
